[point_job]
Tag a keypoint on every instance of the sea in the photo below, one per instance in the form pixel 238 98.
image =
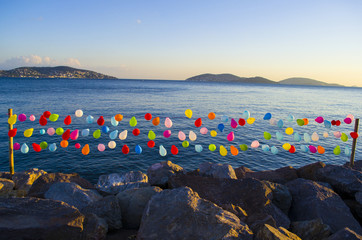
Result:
pixel 170 99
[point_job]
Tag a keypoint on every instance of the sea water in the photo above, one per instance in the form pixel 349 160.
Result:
pixel 170 99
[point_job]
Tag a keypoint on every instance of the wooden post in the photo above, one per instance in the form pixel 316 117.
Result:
pixel 11 146
pixel 354 143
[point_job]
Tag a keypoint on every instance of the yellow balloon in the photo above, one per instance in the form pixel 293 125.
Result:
pixel 223 151
pixel 289 131
pixel 188 113
pixel 213 133
pixel 250 120
pixel 28 132
pixel 12 119
pixel 287 146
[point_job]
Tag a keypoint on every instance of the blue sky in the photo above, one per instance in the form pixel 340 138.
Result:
pixel 178 39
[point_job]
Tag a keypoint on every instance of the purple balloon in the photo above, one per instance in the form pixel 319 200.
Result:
pixel 16 146
pixel 22 117
pixel 312 149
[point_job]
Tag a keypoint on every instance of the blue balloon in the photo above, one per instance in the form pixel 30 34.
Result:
pixel 274 150
pixel 89 119
pixel 267 116
pixel 327 124
pixel 221 127
pixel 114 122
pixel 105 129
pixel 245 115
pixel 307 138
pixel 304 148
pixel 290 118
pixel 279 136
pixel 347 151
pixel 52 147
pixel 42 131
pixel 198 148
pixel 280 123
pixel 297 137
pixel 85 132
pixel 113 134
pixel 24 148
pixel 225 119
pixel 265 148
pixel 138 149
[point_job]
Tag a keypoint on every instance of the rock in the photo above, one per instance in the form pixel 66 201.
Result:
pixel 33 218
pixel 281 219
pixel 238 211
pixel 116 182
pixel 310 171
pixel 345 181
pixel 43 183
pixel 356 209
pixel 312 200
pixel 217 170
pixel 358 197
pixel 181 214
pixel 281 175
pixel 313 229
pixel 73 194
pixel 281 196
pixel 6 175
pixel 95 228
pixel 240 172
pixel 159 173
pixel 24 180
pixel 345 234
pixel 357 165
pixel 6 187
pixel 107 208
pixel 268 232
pixel 133 203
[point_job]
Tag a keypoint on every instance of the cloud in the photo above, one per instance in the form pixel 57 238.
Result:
pixel 73 62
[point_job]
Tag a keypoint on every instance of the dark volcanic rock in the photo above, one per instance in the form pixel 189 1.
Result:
pixel 159 173
pixel 217 170
pixel 281 175
pixel 268 232
pixel 281 196
pixel 24 180
pixel 240 172
pixel 357 165
pixel 6 187
pixel 345 234
pixel 310 171
pixel 313 229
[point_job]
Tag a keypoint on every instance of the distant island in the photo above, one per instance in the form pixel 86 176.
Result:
pixel 52 72
pixel 236 79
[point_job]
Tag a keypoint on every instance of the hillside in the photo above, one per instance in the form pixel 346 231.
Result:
pixel 306 81
pixel 208 77
pixel 52 72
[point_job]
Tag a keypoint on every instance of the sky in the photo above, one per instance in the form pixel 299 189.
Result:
pixel 174 40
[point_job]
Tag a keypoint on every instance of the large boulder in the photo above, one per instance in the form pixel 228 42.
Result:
pixel 240 172
pixel 345 234
pixel 181 214
pixel 312 200
pixel 73 194
pixel 95 228
pixel 268 232
pixel 281 196
pixel 310 171
pixel 116 182
pixel 217 170
pixel 312 229
pixel 6 187
pixel 133 203
pixel 43 183
pixel 357 165
pixel 281 175
pixel 24 180
pixel 159 173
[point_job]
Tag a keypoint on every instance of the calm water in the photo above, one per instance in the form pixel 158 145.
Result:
pixel 171 99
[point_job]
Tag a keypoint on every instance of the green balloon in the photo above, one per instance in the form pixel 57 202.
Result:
pixel 59 131
pixel 337 150
pixel 344 137
pixel 243 147
pixel 212 147
pixel 53 117
pixel 300 122
pixel 185 144
pixel 97 133
pixel 267 136
pixel 151 135
pixel 133 122
pixel 43 145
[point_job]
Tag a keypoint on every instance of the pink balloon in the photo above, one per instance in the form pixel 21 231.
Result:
pixel 203 130
pixel 168 122
pixel 255 144
pixel 337 134
pixel 347 120
pixel 74 135
pixel 312 149
pixel 319 120
pixel 181 136
pixel 16 146
pixel 101 147
pixel 233 124
pixel 77 146
pixel 167 133
pixel 22 117
pixel 230 136
pixel 32 118
pixel 51 131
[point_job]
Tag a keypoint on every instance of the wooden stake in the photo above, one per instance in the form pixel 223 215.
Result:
pixel 11 146
pixel 354 143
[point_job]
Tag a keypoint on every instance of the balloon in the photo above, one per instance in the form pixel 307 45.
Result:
pixel 101 147
pixel 85 132
pixel 344 137
pixel 274 150
pixel 290 118
pixel 90 119
pixel 255 144
pixel 100 121
pixel 304 148
pixel 321 150
pixel 64 143
pixel 113 134
pixel 325 134
pixel 125 149
pixel 319 119
pixel 315 137
pixel 347 120
pixel 43 121
pixel 66 135
pixel 243 147
pixel 221 127
pixel 185 144
pixel 118 117
pixel 234 151
pixel 112 144
pixel 223 151
pixel 245 115
pixel 354 135
pixel 267 116
pixel 286 146
pixel 174 150
pixel 337 134
pixel 151 135
pixel 22 117
pixel 250 120
pixel 230 136
pixel 136 132
pixel 233 123
pixel 267 136
pixel 28 132
pixel 53 117
pixel 350 116
pixel 42 131
pixel 192 136
pixel 289 131
pixel 188 113
pixel 59 131
pixel 114 122
pixel 138 149
pixel 168 122
pixel 213 133
pixel 297 137
pixel 32 118
pixel 292 149
pixel 327 124
pixel 312 149
pixel 211 116
pixel 333 122
pixel 79 113
pixel 203 130
pixel 224 119
pixel 181 136
pixel 198 122
pixel 167 133
pixel 24 148
pixel 52 147
pixel 273 122
pixel 74 135
pixel 347 151
pixel 148 116
pixel 36 147
pixel 67 120
pixel 12 132
pixel 279 136
pixel 123 135
pixel 242 121
pixel 150 144
pixel 156 121
pixel 16 146
pixel 97 134
pixel 47 114
pixel 198 148
pixel 85 149
pixel 300 122
pixel 307 138
pixel 162 151
pixel 338 123
pixel 212 147
pixel 43 145
pixel 265 148
pixel 280 123
pixel 337 150
pixel 105 129
pixel 77 145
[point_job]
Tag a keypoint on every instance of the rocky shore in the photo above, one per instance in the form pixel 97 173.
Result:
pixel 316 201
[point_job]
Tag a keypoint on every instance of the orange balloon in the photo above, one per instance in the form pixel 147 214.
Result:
pixel 306 121
pixel 211 116
pixel 64 143
pixel 321 149
pixel 118 117
pixel 234 151
pixel 85 149
pixel 156 121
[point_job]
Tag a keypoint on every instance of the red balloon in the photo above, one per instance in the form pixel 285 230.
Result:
pixel 77 145
pixel 338 123
pixel 242 121
pixel 100 121
pixel 174 150
pixel 148 116
pixel 333 122
pixel 67 120
pixel 292 149
pixel 198 122
pixel 43 121
pixel 47 114
pixel 151 144
pixel 125 149
pixel 12 132
pixel 66 135
pixel 36 147
pixel 136 132
pixel 354 135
